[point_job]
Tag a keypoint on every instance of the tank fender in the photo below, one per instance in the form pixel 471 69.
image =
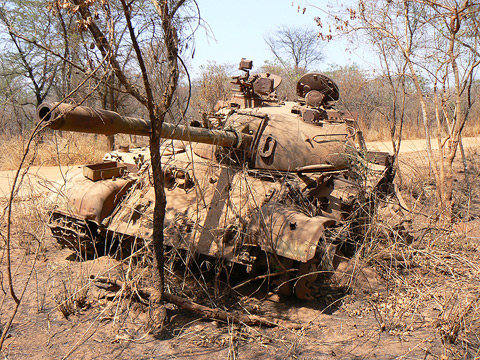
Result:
pixel 287 232
pixel 94 200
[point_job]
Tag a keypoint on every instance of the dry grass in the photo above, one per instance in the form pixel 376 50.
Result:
pixel 431 270
pixel 381 131
pixel 71 299
pixel 472 129
pixel 53 149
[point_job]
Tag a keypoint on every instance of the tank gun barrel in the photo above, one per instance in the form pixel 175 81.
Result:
pixel 87 120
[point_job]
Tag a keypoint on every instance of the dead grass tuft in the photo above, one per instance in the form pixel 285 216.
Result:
pixel 457 316
pixel 430 270
pixel 71 299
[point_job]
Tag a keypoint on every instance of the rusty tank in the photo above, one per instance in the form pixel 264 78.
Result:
pixel 269 185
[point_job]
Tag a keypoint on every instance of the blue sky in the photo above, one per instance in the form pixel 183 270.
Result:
pixel 239 28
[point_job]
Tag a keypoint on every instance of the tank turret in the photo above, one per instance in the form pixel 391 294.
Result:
pixel 282 136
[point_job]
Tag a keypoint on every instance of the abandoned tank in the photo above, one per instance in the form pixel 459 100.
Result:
pixel 270 185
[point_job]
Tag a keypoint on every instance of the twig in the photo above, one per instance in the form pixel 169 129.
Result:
pixel 187 304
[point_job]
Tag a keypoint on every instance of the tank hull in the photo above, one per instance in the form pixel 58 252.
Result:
pixel 264 187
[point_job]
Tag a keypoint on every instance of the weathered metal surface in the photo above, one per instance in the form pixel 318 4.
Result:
pixel 317 88
pixel 261 184
pixel 72 232
pixel 105 170
pixel 84 119
pixel 288 143
pixel 67 117
pixel 93 200
pixel 287 232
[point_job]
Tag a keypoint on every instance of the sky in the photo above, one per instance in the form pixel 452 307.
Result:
pixel 239 27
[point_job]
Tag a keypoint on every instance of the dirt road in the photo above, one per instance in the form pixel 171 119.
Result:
pixel 38 179
pixel 409 146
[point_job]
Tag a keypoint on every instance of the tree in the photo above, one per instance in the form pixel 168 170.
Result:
pixel 295 51
pixel 212 84
pixel 287 89
pixel 295 47
pixel 31 71
pixel 157 106
pixel 109 32
pixel 438 41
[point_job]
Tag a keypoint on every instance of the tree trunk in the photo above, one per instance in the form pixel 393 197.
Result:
pixel 109 103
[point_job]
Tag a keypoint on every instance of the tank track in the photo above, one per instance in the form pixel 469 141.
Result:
pixel 75 233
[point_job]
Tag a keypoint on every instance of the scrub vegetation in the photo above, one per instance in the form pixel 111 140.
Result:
pixel 411 288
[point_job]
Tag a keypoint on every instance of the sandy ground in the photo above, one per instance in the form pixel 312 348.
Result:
pixel 402 318
pixel 409 146
pixel 38 179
